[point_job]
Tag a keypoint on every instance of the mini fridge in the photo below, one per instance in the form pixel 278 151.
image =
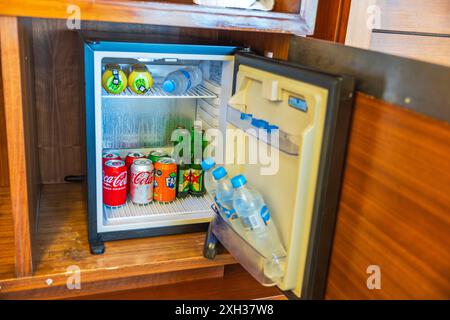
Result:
pixel 310 110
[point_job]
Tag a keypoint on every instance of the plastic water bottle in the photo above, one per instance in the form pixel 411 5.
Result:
pixel 224 198
pixel 208 165
pixel 180 81
pixel 260 232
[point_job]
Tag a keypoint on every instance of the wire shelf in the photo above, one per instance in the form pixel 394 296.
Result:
pixel 155 211
pixel 157 92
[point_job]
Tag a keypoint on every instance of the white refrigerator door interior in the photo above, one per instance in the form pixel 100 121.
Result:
pixel 286 181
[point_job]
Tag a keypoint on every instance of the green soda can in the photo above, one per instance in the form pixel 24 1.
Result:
pixel 156 155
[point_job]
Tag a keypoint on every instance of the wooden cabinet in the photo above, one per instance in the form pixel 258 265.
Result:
pixel 375 193
pixel 289 16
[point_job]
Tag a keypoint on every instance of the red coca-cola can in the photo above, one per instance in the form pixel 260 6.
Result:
pixel 129 161
pixel 114 183
pixel 141 181
pixel 107 156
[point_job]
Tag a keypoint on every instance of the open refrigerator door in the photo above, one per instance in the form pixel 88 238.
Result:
pixel 284 142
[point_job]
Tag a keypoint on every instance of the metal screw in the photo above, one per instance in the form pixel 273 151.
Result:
pixel 49 282
pixel 408 100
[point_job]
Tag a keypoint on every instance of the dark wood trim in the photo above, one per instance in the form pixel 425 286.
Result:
pixel 332 20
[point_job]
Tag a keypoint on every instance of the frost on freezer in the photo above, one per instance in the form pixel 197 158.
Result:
pixel 143 124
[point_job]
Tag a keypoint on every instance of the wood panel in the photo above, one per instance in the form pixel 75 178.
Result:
pixel 236 284
pixel 425 48
pixel 287 6
pixel 4 171
pixel 58 290
pixel 415 15
pixel 395 206
pixel 20 132
pixel 63 242
pixel 332 19
pixel 7 252
pixel 168 14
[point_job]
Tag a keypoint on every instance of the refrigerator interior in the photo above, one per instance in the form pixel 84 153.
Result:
pixel 129 122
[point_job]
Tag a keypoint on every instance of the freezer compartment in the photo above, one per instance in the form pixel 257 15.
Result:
pixel 144 123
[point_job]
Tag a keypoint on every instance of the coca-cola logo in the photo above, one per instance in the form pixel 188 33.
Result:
pixel 115 181
pixel 141 178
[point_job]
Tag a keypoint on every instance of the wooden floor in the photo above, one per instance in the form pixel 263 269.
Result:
pixel 6 236
pixel 126 266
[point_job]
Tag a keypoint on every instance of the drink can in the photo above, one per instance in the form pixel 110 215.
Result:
pixel 110 156
pixel 155 155
pixel 184 180
pixel 196 185
pixel 141 181
pixel 129 161
pixel 114 183
pixel 133 156
pixel 165 180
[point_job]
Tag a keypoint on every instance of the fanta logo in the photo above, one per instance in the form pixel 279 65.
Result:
pixel 117 181
pixel 141 178
pixel 171 181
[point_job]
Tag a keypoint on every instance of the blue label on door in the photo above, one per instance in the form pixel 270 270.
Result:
pixel 298 103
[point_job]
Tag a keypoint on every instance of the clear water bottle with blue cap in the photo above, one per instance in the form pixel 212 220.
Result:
pixel 246 120
pixel 259 229
pixel 182 80
pixel 208 166
pixel 224 193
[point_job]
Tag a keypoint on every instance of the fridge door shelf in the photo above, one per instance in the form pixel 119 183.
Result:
pixel 157 92
pixel 189 207
pixel 285 144
pixel 242 251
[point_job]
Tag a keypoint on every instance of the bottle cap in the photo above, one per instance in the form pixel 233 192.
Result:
pixel 246 116
pixel 258 123
pixel 219 173
pixel 271 128
pixel 208 164
pixel 238 181
pixel 169 85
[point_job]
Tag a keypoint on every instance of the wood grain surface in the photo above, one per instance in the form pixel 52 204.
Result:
pixel 415 15
pixel 395 206
pixel 7 252
pixel 426 48
pixel 4 170
pixel 236 284
pixel 17 72
pixel 332 20
pixel 169 14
